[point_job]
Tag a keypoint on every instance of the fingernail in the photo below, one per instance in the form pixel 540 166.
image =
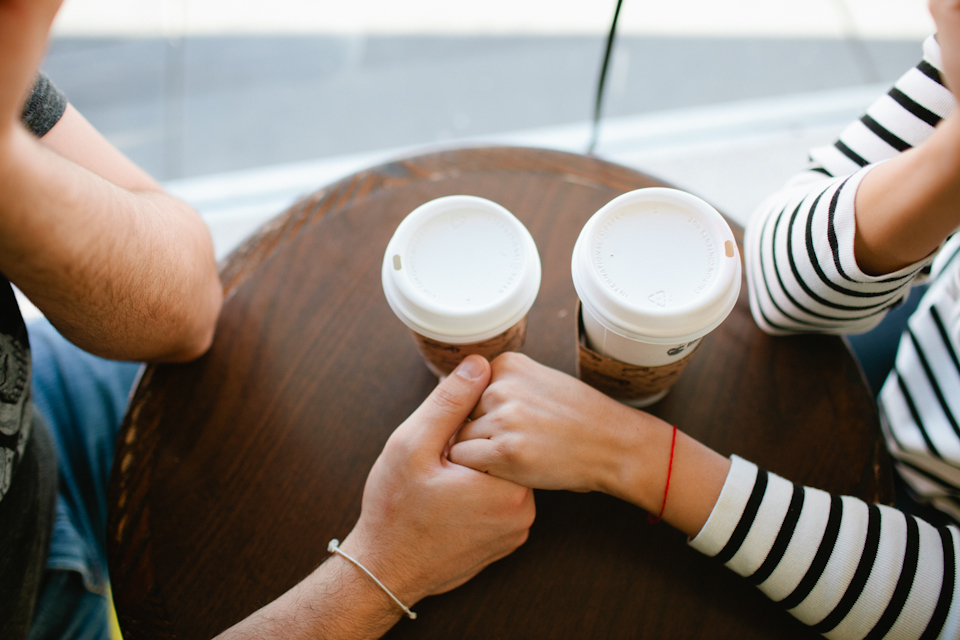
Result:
pixel 470 369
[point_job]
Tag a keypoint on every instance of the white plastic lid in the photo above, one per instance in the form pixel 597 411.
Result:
pixel 461 269
pixel 657 265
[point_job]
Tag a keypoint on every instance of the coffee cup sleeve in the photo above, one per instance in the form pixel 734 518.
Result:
pixel 442 357
pixel 620 380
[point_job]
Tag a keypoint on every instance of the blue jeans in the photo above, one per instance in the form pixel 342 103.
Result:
pixel 876 349
pixel 83 399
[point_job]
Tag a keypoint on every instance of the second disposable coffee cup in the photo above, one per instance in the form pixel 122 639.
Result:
pixel 656 270
pixel 461 272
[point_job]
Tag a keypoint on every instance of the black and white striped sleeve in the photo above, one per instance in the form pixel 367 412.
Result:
pixel 845 568
pixel 799 247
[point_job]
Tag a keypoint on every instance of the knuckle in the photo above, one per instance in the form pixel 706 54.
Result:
pixel 511 414
pixel 514 501
pixel 500 362
pixel 531 515
pixel 503 450
pixel 495 394
pixel 509 357
pixel 512 360
pixel 397 445
pixel 518 501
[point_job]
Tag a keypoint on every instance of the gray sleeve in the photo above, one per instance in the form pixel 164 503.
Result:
pixel 44 106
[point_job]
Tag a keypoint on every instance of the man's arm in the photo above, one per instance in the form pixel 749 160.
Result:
pixel 335 601
pixel 121 268
pixel 125 273
pixel 426 526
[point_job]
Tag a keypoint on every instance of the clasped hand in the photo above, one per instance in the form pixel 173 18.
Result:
pixel 448 496
pixel 427 524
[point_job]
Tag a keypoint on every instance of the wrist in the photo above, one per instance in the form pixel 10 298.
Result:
pixel 357 591
pixel 388 567
pixel 696 477
pixel 642 458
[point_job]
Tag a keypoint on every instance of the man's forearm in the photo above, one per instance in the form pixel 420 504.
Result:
pixel 335 602
pixel 123 274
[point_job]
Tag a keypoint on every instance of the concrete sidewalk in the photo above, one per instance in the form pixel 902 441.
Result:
pixel 732 155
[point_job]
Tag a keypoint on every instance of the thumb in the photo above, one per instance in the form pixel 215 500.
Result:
pixel 449 405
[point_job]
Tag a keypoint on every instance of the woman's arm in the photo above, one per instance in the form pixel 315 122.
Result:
pixel 843 241
pixel 846 568
pixel 907 206
pixel 835 563
pixel 544 429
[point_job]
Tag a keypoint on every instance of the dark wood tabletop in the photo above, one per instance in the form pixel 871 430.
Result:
pixel 233 472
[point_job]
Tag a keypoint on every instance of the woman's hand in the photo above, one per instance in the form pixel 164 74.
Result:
pixel 544 429
pixel 541 428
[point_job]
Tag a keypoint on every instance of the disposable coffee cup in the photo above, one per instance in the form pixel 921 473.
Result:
pixel 461 272
pixel 656 270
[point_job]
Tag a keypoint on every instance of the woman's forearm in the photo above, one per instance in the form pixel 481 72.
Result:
pixel 907 206
pixel 696 475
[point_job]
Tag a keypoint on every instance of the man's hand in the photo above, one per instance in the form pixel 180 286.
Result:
pixel 427 525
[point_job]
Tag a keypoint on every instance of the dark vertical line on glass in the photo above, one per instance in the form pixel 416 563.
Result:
pixel 602 83
pixel 856 45
pixel 174 106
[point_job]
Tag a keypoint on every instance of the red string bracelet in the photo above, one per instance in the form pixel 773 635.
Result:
pixel 650 518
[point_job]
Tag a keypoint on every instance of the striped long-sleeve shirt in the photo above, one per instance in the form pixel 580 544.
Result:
pixel 848 569
pixel 803 276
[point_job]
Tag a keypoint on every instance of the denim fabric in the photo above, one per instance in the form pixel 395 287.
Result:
pixel 83 399
pixel 876 350
pixel 66 610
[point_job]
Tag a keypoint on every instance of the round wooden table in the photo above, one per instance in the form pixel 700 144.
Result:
pixel 233 472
